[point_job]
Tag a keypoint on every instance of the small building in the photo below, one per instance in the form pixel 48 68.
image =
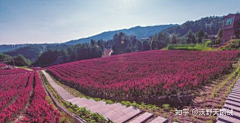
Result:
pixel 231 26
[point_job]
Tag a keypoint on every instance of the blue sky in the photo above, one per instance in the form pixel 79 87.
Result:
pixel 48 21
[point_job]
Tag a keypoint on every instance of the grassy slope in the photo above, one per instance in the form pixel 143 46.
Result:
pixel 200 47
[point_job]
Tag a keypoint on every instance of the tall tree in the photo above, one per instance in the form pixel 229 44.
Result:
pixel 139 46
pixel 93 42
pixel 194 39
pixel 154 44
pixel 190 38
pixel 146 46
pixel 220 33
pixel 174 39
pixel 100 43
pixel 200 35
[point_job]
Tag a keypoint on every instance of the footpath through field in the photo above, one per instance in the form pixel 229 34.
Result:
pixel 232 102
pixel 116 112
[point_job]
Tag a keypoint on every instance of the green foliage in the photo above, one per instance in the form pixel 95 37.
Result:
pixel 20 60
pixel 109 101
pixel 192 118
pixel 200 47
pixel 164 115
pixel 127 103
pixel 166 106
pixel 134 104
pixel 68 104
pixel 213 117
pixel 219 106
pixel 86 114
pixel 142 105
pixel 6 58
pixel 97 99
pixel 209 121
pixel 214 93
pixel 66 120
pixel 175 119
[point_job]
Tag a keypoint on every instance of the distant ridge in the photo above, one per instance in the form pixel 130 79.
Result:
pixel 138 31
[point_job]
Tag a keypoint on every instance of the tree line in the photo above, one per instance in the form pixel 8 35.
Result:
pixel 69 53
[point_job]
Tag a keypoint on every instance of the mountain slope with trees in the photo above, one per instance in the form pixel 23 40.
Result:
pixel 190 32
pixel 138 31
pixel 30 52
pixel 210 25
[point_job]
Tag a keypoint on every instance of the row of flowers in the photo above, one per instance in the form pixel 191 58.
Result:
pixel 12 71
pixel 39 110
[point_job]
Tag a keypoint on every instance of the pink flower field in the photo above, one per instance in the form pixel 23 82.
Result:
pixel 22 98
pixel 144 74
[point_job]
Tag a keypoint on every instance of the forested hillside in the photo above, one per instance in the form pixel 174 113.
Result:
pixel 210 25
pixel 187 33
pixel 18 60
pixel 64 53
pixel 138 31
pixel 30 52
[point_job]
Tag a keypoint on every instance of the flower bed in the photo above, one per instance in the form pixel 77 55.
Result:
pixel 144 74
